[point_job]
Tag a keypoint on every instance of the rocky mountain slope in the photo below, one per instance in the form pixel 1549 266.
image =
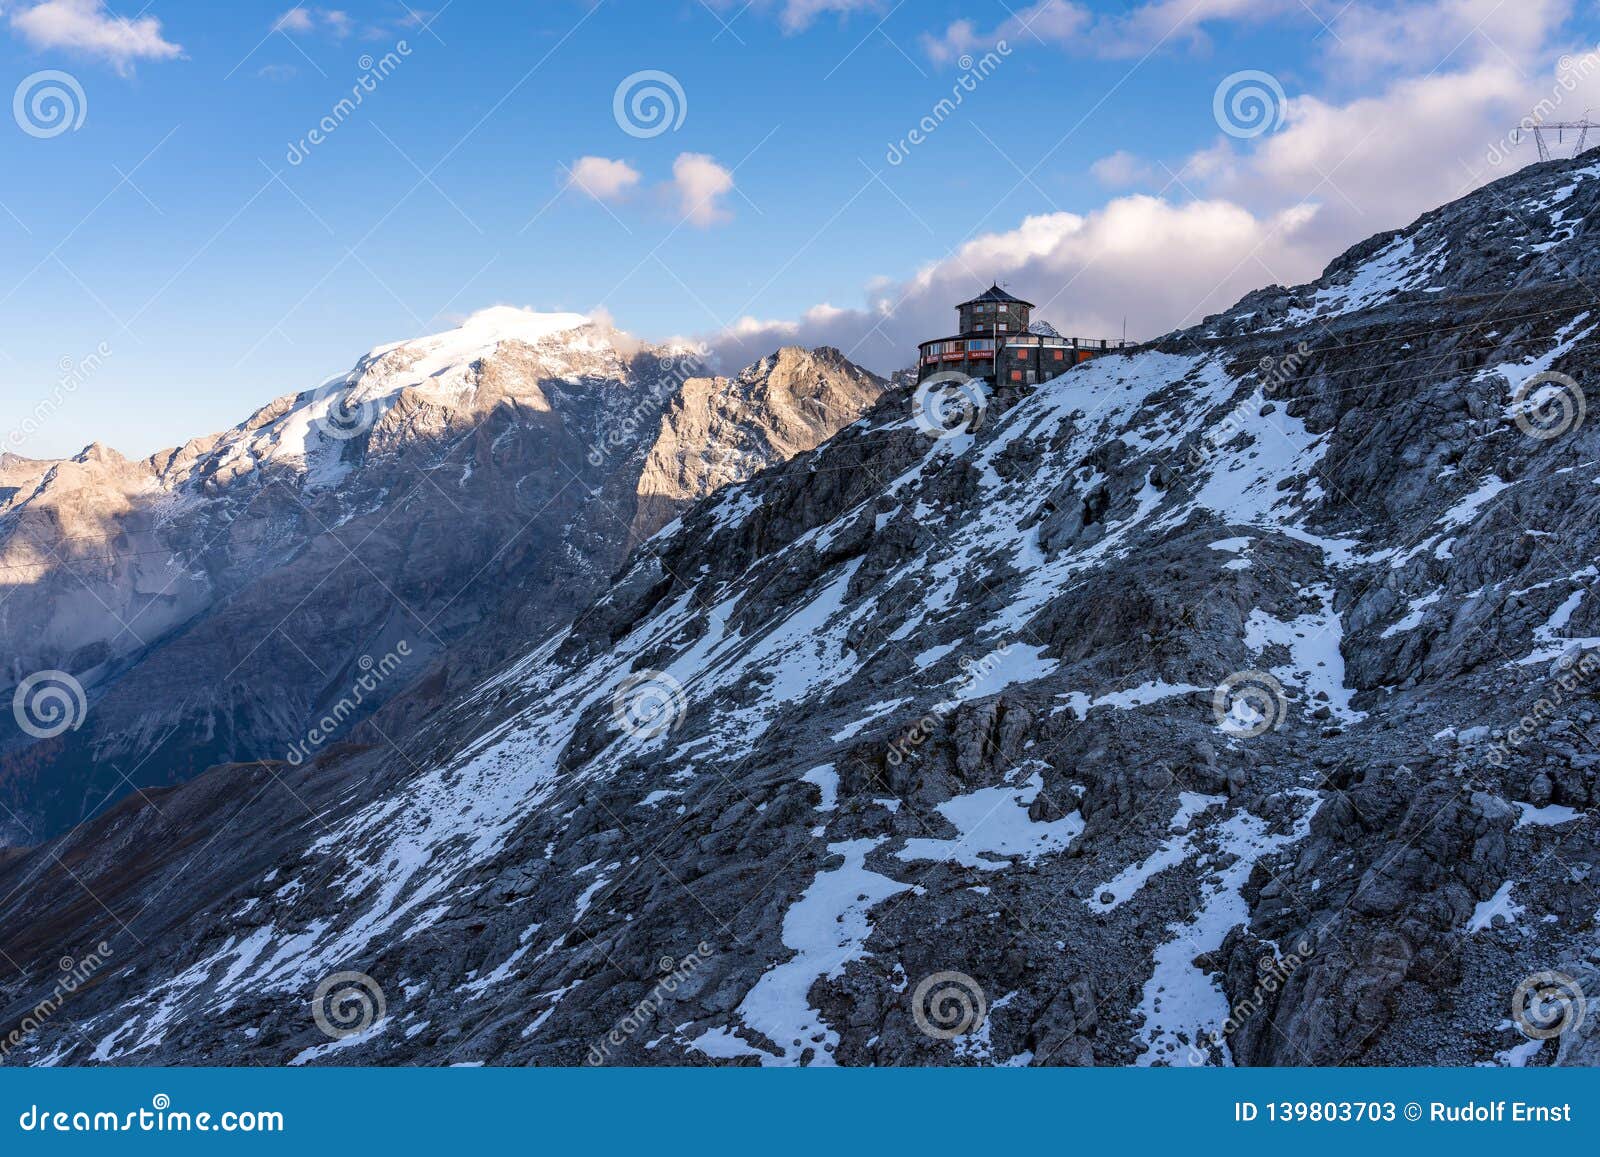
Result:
pixel 216 600
pixel 707 438
pixel 1231 701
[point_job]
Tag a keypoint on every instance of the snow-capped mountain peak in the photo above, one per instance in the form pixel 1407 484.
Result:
pixel 537 445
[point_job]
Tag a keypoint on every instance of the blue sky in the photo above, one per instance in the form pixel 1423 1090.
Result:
pixel 1087 165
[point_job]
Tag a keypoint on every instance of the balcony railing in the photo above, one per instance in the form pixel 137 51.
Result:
pixel 985 347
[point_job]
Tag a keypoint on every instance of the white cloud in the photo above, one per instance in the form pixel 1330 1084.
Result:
pixel 1457 32
pixel 1076 28
pixel 295 20
pixel 303 20
pixel 87 27
pixel 798 15
pixel 1121 170
pixel 1360 33
pixel 1070 24
pixel 695 192
pixel 1052 21
pixel 1276 208
pixel 1183 22
pixel 602 178
pixel 1380 159
pixel 700 183
pixel 1153 262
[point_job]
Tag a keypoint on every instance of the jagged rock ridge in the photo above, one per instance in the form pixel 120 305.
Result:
pixel 216 599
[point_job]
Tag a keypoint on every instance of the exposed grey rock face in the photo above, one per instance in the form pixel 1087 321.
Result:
pixel 218 600
pixel 1230 701
pixel 716 431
